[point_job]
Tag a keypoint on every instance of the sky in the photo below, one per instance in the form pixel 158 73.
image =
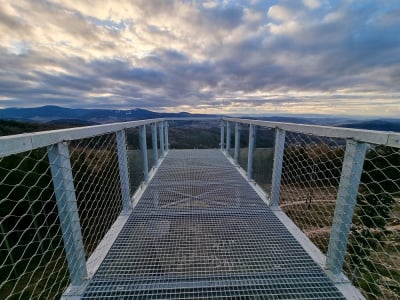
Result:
pixel 254 56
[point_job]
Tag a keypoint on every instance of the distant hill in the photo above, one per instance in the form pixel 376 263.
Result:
pixel 61 116
pixel 41 114
pixel 92 116
pixel 71 122
pixel 378 124
pixel 381 125
pixel 16 127
pixel 287 120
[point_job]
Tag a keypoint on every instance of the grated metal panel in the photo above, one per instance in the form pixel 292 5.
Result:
pixel 200 231
pixel 196 179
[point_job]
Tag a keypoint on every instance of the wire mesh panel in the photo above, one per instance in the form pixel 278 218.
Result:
pixel 95 171
pixel 135 160
pixel 150 154
pixel 230 138
pixel 263 158
pixel 32 257
pixel 373 253
pixel 39 257
pixel 200 231
pixel 244 146
pixel 309 185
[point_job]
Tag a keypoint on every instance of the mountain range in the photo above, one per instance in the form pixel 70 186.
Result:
pixel 80 116
pixel 91 116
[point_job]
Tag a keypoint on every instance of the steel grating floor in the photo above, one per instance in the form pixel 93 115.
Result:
pixel 201 232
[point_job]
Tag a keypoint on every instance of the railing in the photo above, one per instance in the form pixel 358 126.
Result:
pixel 65 194
pixel 341 187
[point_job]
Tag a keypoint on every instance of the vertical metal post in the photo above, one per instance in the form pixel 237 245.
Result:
pixel 228 137
pixel 252 140
pixel 166 126
pixel 345 203
pixel 222 142
pixel 277 167
pixel 154 144
pixel 64 190
pixel 123 171
pixel 161 132
pixel 237 143
pixel 143 149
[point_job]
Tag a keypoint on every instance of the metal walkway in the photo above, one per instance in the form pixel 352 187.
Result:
pixel 200 231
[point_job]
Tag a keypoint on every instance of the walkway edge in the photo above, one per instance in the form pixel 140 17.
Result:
pixel 94 261
pixel 342 283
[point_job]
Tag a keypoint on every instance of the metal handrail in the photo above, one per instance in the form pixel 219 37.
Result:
pixel 28 141
pixel 14 144
pixel 391 139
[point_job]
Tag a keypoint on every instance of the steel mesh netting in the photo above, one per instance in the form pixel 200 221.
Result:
pixel 263 158
pixel 231 146
pixel 32 258
pixel 200 231
pixel 244 146
pixel 94 163
pixel 152 161
pixel 309 183
pixel 135 159
pixel 373 253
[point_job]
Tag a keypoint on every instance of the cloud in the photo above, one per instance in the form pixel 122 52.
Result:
pixel 202 56
pixel 312 4
pixel 280 13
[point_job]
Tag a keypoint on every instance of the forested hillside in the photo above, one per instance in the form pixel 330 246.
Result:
pixel 16 127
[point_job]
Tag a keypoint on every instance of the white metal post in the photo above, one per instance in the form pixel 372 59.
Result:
pixel 222 142
pixel 237 143
pixel 143 149
pixel 166 126
pixel 345 203
pixel 161 132
pixel 228 137
pixel 252 140
pixel 123 170
pixel 64 190
pixel 154 143
pixel 277 167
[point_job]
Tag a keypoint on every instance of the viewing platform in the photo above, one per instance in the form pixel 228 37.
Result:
pixel 201 231
pixel 111 212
